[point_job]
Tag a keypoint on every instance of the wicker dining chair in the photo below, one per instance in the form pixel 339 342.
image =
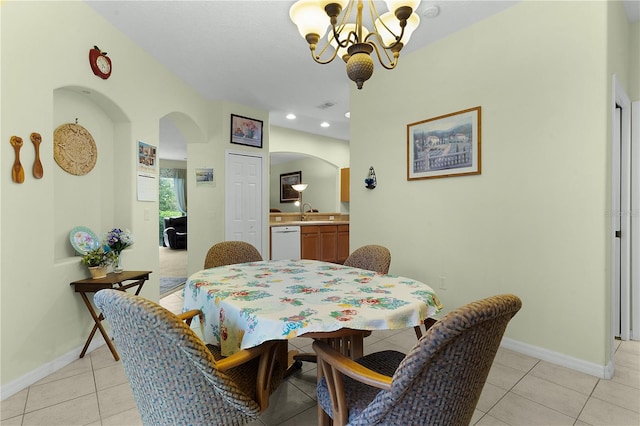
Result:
pixel 370 257
pixel 231 252
pixel 437 383
pixel 178 380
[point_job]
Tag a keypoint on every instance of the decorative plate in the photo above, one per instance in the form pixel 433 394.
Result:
pixel 83 239
pixel 74 149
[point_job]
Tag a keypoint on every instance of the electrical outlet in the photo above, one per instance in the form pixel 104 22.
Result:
pixel 443 283
pixel 332 217
pixel 278 219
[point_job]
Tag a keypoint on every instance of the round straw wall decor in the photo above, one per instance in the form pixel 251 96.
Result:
pixel 74 149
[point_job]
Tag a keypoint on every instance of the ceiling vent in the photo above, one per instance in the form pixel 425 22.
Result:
pixel 326 105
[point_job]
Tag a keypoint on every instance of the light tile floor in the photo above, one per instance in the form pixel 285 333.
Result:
pixel 520 390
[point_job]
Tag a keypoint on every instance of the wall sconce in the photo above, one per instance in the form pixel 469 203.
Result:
pixel 371 181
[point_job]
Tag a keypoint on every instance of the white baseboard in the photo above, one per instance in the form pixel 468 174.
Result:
pixel 47 369
pixel 600 371
pixel 597 370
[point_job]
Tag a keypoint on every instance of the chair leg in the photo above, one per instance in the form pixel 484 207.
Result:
pixel 428 322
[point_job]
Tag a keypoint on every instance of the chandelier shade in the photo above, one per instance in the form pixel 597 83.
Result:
pixel 349 39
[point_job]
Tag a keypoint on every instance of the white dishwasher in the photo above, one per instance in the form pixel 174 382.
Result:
pixel 285 242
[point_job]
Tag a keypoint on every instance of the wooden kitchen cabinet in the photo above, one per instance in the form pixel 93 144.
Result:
pixel 343 243
pixel 344 184
pixel 310 242
pixel 328 243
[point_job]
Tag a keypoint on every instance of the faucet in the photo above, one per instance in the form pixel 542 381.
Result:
pixel 302 211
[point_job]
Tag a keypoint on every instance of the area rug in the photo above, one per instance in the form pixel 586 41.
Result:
pixel 169 284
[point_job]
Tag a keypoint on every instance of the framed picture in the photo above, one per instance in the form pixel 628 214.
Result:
pixel 246 131
pixel 444 146
pixel 204 177
pixel 147 160
pixel 287 193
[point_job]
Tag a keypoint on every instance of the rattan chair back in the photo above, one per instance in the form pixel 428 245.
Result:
pixel 370 257
pixel 172 374
pixel 230 253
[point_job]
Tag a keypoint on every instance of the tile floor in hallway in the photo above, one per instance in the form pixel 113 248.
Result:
pixel 520 390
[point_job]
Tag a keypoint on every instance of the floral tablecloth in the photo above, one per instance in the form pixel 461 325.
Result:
pixel 247 304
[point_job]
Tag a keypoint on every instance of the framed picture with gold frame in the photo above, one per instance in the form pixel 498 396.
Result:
pixel 445 146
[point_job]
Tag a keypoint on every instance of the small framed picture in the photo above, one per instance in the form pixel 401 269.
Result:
pixel 287 193
pixel 445 146
pixel 246 131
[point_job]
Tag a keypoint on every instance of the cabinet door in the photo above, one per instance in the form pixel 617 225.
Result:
pixel 343 243
pixel 344 184
pixel 329 243
pixel 310 242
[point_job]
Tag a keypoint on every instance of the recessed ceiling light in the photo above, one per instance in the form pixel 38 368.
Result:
pixel 324 124
pixel 347 114
pixel 291 116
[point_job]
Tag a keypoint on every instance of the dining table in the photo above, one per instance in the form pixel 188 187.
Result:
pixel 245 305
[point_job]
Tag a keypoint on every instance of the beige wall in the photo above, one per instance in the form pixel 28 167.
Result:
pixel 534 222
pixel 334 151
pixel 44 77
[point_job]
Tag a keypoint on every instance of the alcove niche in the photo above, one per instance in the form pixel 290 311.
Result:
pixel 322 176
pixel 101 198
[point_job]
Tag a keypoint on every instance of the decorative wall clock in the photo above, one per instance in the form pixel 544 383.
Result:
pixel 100 63
pixel 74 149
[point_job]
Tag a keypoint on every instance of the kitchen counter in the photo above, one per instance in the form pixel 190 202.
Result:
pixel 294 219
pixel 309 222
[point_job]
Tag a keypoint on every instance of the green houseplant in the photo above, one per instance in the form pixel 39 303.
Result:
pixel 97 261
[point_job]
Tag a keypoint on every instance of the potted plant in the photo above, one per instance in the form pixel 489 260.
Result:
pixel 97 261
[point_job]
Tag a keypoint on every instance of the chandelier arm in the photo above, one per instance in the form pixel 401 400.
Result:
pixel 392 64
pixel 316 57
pixel 393 45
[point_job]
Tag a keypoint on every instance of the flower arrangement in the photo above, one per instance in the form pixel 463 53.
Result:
pixel 118 240
pixel 101 256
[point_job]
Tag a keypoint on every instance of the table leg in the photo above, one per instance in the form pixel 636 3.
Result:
pixel 286 358
pixel 97 319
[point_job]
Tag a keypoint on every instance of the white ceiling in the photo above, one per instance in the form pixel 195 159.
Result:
pixel 249 52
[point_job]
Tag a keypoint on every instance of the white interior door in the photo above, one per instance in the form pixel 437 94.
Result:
pixel 621 213
pixel 244 198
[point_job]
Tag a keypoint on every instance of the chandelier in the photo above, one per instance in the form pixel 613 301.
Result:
pixel 352 41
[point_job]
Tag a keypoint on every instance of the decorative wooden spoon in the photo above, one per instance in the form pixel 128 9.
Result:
pixel 17 172
pixel 37 165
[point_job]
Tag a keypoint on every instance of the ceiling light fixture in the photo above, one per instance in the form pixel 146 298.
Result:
pixel 291 116
pixel 353 42
pixel 324 124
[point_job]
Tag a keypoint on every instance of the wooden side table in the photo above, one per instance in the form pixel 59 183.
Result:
pixel 112 280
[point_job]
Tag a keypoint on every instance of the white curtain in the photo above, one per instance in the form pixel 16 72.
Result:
pixel 180 188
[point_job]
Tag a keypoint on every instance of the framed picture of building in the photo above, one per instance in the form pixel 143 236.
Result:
pixel 246 131
pixel 287 193
pixel 445 146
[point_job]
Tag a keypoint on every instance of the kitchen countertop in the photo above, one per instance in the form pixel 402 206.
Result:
pixel 311 218
pixel 309 222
